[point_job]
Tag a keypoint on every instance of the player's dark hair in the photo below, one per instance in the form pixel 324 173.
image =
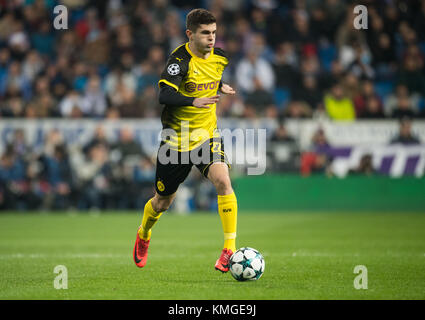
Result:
pixel 196 17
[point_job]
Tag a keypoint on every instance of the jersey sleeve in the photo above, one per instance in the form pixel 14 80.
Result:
pixel 223 54
pixel 170 97
pixel 174 72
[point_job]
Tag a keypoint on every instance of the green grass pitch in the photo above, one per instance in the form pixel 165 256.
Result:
pixel 308 255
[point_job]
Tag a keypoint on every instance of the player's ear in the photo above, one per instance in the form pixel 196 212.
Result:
pixel 189 33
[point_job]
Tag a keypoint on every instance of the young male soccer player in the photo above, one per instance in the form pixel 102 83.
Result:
pixel 188 89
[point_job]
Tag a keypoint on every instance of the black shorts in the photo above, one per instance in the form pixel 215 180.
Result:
pixel 170 175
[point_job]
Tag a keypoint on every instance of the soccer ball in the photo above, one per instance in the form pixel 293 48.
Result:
pixel 247 264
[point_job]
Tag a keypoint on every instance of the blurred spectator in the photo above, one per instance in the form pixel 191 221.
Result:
pixel 6 21
pixel 120 87
pixel 59 175
pixel 403 109
pixel 285 64
pixel 18 41
pixel 350 42
pixel 19 144
pixel 297 110
pixel 52 139
pixel 258 41
pixel 338 105
pixel 255 78
pixel 420 21
pixel 365 167
pixel 148 104
pixel 144 179
pixel 361 64
pixel 71 105
pixel 384 58
pixel 32 65
pixel 15 81
pixel 401 92
pixel 93 174
pixel 127 145
pixel 93 103
pixel 412 76
pixel 13 181
pixel 300 34
pixel 405 135
pixel 317 160
pixel 335 74
pixel 43 39
pixel 350 85
pixel 309 92
pixel 373 109
pixel 283 150
pixel 79 76
pixel 99 138
pixel 361 100
pixel 281 134
pixel 12 107
pixel 46 106
pixel 319 141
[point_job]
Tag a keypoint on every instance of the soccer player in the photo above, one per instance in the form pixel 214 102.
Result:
pixel 188 89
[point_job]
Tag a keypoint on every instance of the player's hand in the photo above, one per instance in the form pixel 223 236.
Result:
pixel 225 88
pixel 205 102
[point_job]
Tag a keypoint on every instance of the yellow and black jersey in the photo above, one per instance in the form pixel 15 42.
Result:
pixel 192 76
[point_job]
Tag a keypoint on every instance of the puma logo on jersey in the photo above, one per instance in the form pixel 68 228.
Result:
pixel 180 59
pixel 227 210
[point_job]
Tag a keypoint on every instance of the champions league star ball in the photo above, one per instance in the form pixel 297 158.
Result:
pixel 247 264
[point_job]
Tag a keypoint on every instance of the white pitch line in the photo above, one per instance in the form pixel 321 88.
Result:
pixel 336 255
pixel 64 256
pixel 171 255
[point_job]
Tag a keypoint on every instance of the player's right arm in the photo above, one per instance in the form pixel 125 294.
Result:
pixel 173 74
pixel 169 96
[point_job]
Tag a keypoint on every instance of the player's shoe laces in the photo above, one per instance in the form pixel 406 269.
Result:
pixel 222 264
pixel 140 252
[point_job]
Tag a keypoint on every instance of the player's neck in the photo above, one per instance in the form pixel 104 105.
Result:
pixel 197 53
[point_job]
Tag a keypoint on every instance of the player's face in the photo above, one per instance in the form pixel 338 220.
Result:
pixel 204 37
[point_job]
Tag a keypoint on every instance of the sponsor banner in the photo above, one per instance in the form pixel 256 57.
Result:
pixel 344 133
pixel 352 138
pixel 393 160
pixel 146 131
pixel 80 131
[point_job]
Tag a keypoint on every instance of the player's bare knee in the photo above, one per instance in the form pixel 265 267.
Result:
pixel 223 185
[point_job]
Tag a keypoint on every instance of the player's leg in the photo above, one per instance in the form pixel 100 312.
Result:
pixel 152 212
pixel 218 174
pixel 168 178
pixel 216 169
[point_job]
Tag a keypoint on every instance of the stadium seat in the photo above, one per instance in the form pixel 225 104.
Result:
pixel 327 55
pixel 384 88
pixel 281 97
pixel 421 104
pixel 422 47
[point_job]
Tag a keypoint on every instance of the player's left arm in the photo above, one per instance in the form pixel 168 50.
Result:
pixel 226 89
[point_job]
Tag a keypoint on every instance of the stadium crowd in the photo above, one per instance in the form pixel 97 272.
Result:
pixel 288 59
pixel 293 58
pixel 103 173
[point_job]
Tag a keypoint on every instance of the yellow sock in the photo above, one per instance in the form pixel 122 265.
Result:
pixel 228 211
pixel 150 217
